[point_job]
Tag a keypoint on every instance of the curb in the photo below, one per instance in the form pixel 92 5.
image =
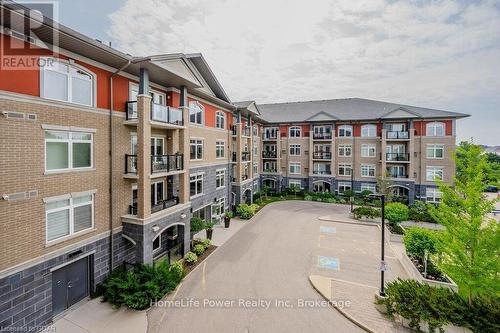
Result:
pixel 371 224
pixel 345 314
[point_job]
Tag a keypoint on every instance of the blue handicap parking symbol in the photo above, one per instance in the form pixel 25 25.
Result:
pixel 325 262
pixel 327 230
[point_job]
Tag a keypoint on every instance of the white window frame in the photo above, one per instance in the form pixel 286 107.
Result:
pixel 192 104
pixel 296 130
pixel 70 142
pixel 294 165
pixel 135 87
pixel 343 149
pixel 159 237
pixel 295 148
pixel 369 131
pixel 296 182
pixel 220 119
pixel 220 146
pixel 71 208
pixel 366 170
pixel 270 163
pixel 269 131
pixel 195 178
pixel 93 89
pixel 220 176
pixel 432 129
pixel 433 171
pixel 434 194
pixel 343 129
pixel 347 186
pixel 433 148
pixel 155 184
pixel 197 142
pixel 368 149
pixel 345 167
pixel 369 187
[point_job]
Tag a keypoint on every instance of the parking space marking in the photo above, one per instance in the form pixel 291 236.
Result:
pixel 327 262
pixel 327 230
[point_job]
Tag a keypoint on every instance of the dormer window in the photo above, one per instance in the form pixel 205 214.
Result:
pixel 345 131
pixel 66 82
pixel 369 131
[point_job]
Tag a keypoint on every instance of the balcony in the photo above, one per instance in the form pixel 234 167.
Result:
pixel 163 204
pixel 322 136
pixel 269 154
pixel 245 156
pixel 270 136
pixel 397 157
pixel 392 135
pixel 159 163
pixel 396 174
pixel 322 155
pixel 246 131
pixel 159 113
pixel 322 172
pixel 167 163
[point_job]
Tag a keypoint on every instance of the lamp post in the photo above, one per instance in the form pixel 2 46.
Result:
pixel 351 198
pixel 382 246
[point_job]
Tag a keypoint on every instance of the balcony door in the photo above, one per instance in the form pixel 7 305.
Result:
pixel 157 146
pixel 399 127
pixel 157 193
pixel 396 149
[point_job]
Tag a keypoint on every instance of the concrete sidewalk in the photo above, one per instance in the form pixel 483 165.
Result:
pixel 221 234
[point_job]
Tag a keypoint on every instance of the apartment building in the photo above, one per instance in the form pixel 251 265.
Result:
pixel 106 159
pixel 347 144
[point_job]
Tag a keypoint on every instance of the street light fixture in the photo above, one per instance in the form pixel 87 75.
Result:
pixel 383 266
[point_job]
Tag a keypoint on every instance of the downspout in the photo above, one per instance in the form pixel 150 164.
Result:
pixel 111 107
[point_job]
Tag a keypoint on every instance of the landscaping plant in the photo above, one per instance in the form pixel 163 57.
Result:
pixel 367 212
pixel 197 224
pixel 199 249
pixel 190 258
pixel 246 211
pixel 419 240
pixel 419 212
pixel 396 212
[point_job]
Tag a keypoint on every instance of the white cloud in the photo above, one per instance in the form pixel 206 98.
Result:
pixel 430 53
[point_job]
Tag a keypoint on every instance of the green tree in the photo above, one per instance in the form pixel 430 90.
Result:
pixel 493 171
pixel 470 245
pixel 384 186
pixel 294 189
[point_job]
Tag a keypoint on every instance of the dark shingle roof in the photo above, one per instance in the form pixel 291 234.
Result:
pixel 345 109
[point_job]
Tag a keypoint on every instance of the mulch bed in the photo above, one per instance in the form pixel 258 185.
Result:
pixel 188 268
pixel 433 272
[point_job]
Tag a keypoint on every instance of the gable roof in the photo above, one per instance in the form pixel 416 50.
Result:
pixel 347 109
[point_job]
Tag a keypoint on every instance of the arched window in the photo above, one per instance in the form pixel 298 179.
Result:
pixel 66 82
pixel 369 131
pixel 294 132
pixel 345 130
pixel 220 119
pixel 196 112
pixel 435 129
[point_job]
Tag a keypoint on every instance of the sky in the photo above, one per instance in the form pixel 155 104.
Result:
pixel 436 54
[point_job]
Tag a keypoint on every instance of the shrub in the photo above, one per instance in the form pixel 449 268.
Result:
pixel 419 211
pixel 367 212
pixel 308 198
pixel 207 243
pixel 138 287
pixel 209 225
pixel 197 224
pixel 418 240
pixel 396 212
pixel 246 211
pixel 229 214
pixel 199 249
pixel 191 258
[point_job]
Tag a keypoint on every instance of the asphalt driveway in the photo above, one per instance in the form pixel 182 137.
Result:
pixel 258 280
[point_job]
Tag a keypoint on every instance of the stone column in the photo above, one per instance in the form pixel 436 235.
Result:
pixel 183 139
pixel 411 153
pixel 143 147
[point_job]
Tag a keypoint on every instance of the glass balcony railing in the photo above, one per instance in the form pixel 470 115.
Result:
pixel 322 136
pixel 159 163
pixel 322 155
pixel 397 157
pixel 402 135
pixel 159 113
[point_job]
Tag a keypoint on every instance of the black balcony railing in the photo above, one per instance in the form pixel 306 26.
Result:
pixel 269 154
pixel 322 172
pixel 234 129
pixel 322 155
pixel 322 136
pixel 245 156
pixel 160 113
pixel 167 163
pixel 270 170
pixel 397 157
pixel 161 205
pixel 270 136
pixel 398 135
pixel 130 163
pixel 392 174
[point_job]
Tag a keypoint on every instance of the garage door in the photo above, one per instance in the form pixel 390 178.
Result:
pixel 70 284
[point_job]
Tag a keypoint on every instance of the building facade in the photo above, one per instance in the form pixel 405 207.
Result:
pixel 107 157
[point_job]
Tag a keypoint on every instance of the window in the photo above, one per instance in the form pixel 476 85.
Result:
pixel 345 150
pixel 294 132
pixel 65 82
pixel 220 178
pixel 435 151
pixel 69 216
pixel 345 131
pixel 295 150
pixel 196 113
pixel 255 168
pixel 270 133
pixel 157 193
pixel 367 170
pixel 196 185
pixel 270 167
pixel 345 169
pixel 295 182
pixel 369 187
pixel 196 149
pixel 369 131
pixel 294 168
pixel 220 149
pixel 68 150
pixel 342 187
pixel 157 243
pixel 157 145
pixel 368 150
pixel 433 172
pixel 218 209
pixel 322 132
pixel 220 119
pixel 397 171
pixel 433 195
pixel 435 129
